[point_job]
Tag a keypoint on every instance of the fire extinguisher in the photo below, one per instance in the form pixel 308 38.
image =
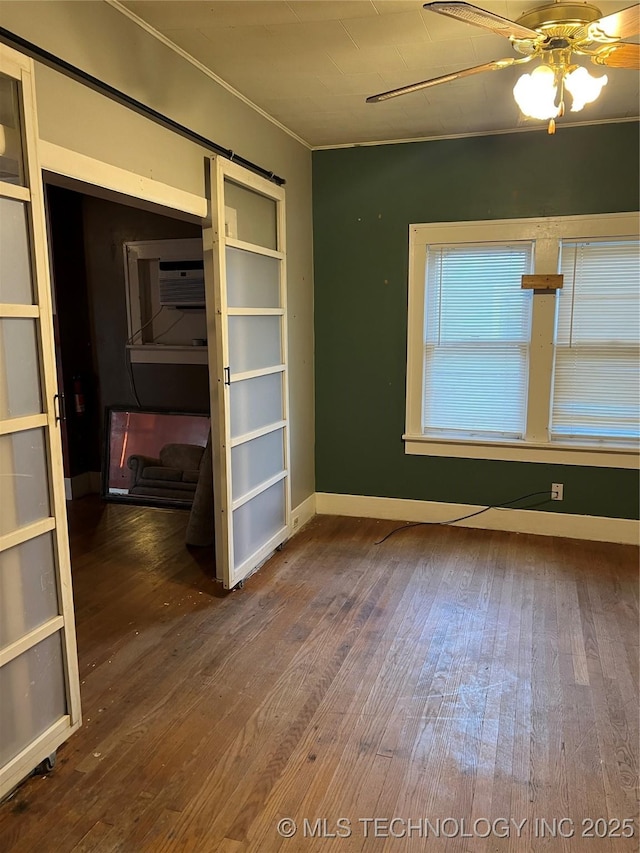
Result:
pixel 78 396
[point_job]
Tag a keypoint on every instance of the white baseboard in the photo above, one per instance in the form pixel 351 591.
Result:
pixel 596 528
pixel 303 513
pixel 88 483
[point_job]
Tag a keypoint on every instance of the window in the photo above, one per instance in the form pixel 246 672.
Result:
pixel 164 282
pixel 496 371
pixel 476 354
pixel 596 391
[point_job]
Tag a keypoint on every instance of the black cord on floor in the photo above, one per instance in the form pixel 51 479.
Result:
pixel 505 505
pixel 132 381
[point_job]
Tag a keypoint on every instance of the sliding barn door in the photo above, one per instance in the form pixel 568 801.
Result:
pixel 246 308
pixel 39 689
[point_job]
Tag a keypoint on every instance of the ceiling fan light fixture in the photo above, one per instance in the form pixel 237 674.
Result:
pixel 584 88
pixel 536 93
pixel 557 33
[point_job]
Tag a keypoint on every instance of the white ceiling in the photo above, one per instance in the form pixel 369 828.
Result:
pixel 310 64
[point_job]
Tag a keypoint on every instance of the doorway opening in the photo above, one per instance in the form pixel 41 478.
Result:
pixel 100 364
pixel 131 564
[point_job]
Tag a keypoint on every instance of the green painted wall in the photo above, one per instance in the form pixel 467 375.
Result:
pixel 364 200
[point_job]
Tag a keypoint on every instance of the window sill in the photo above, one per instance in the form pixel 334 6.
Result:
pixel 519 451
pixel 167 354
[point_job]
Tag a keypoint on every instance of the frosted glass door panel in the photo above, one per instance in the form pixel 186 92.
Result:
pixel 246 279
pixel 11 171
pixel 255 522
pixel 19 368
pixel 254 343
pixel 15 263
pixel 253 281
pixel 24 483
pixel 39 683
pixel 256 461
pixel 28 595
pixel 32 696
pixel 255 403
pixel 255 215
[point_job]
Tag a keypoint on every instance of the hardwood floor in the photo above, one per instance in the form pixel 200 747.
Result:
pixel 474 683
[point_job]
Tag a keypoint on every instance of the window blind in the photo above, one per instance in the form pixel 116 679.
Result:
pixel 596 388
pixel 476 340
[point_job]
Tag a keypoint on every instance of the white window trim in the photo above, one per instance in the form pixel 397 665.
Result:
pixel 547 234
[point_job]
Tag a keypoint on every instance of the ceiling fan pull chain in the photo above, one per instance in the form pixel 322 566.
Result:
pixel 561 103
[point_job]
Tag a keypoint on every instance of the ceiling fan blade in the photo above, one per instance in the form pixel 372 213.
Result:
pixel 619 56
pixel 435 81
pixel 619 25
pixel 481 18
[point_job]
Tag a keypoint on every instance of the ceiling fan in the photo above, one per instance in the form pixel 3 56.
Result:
pixel 551 33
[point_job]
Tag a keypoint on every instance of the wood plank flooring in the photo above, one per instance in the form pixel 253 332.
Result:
pixel 479 687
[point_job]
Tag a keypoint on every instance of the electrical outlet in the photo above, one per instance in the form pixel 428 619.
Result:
pixel 557 491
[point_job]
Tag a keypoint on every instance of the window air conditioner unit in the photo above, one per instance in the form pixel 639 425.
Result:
pixel 181 284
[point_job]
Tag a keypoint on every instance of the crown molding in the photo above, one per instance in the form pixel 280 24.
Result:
pixel 119 7
pixel 509 130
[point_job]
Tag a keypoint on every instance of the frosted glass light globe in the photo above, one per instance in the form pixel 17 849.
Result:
pixel 583 87
pixel 535 93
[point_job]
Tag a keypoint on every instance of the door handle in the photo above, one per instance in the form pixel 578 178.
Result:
pixel 60 407
pixel 227 376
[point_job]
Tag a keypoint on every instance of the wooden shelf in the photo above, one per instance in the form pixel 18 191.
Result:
pixel 167 354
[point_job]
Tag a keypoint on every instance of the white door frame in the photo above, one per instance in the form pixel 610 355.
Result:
pixel 113 179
